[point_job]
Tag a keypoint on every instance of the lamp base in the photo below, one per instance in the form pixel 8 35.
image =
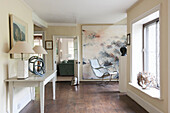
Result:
pixel 22 71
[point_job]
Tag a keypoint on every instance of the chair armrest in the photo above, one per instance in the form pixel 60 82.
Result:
pixel 98 68
pixel 113 73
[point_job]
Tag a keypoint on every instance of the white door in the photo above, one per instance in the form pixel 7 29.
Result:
pixel 77 59
pixel 54 54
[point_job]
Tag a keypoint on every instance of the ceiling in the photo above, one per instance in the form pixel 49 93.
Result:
pixel 80 11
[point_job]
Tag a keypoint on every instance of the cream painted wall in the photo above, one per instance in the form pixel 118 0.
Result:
pixel 17 8
pixel 136 10
pixel 65 31
pixel 169 56
pixel 58 31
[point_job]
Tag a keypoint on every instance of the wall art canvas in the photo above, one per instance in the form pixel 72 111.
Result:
pixel 49 45
pixel 18 32
pixel 102 42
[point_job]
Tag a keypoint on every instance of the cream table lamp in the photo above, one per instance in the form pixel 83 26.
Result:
pixel 22 47
pixel 39 50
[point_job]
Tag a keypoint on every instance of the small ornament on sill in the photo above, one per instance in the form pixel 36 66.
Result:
pixel 146 80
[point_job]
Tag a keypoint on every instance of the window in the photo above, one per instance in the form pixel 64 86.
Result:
pixel 145 50
pixel 151 49
pixel 38 42
pixel 71 50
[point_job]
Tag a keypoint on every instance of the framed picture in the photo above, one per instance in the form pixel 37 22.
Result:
pixel 49 45
pixel 18 31
pixel 128 39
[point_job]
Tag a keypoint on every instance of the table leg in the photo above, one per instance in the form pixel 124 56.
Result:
pixel 11 95
pixel 53 82
pixel 42 91
pixel 33 93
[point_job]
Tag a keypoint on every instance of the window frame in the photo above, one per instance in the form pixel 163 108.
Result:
pixel 145 25
pixel 71 48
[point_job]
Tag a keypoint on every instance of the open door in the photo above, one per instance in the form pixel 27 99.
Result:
pixel 54 54
pixel 76 59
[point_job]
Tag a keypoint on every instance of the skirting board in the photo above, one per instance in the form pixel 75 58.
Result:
pixel 98 80
pixel 146 105
pixel 23 103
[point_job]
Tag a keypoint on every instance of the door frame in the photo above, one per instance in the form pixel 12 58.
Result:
pixel 43 39
pixel 54 46
pixel 168 56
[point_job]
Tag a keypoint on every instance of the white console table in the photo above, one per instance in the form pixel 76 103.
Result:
pixel 32 81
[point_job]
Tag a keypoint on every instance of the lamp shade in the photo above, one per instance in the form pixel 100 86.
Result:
pixel 21 47
pixel 39 50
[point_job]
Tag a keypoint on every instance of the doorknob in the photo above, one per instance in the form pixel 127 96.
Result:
pixel 77 62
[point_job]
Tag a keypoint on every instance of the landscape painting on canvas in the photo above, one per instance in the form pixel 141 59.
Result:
pixel 18 32
pixel 102 42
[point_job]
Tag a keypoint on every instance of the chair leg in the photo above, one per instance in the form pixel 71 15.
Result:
pixel 107 82
pixel 110 77
pixel 100 83
pixel 104 83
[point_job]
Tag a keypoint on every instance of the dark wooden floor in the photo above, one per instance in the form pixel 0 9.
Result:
pixel 86 98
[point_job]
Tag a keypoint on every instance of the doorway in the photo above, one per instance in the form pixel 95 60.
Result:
pixel 66 57
pixel 39 41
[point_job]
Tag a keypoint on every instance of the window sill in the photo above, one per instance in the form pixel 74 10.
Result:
pixel 152 92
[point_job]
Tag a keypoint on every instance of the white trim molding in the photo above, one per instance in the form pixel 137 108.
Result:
pixel 38 21
pixel 62 24
pixel 147 13
pixel 152 92
pixel 26 5
pixel 146 105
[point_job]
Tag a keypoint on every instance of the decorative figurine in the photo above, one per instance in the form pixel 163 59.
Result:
pixel 123 51
pixel 38 65
pixel 146 80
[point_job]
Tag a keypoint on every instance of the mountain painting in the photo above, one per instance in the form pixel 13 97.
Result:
pixel 18 32
pixel 102 42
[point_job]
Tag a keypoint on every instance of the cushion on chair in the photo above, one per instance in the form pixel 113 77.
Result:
pixel 95 63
